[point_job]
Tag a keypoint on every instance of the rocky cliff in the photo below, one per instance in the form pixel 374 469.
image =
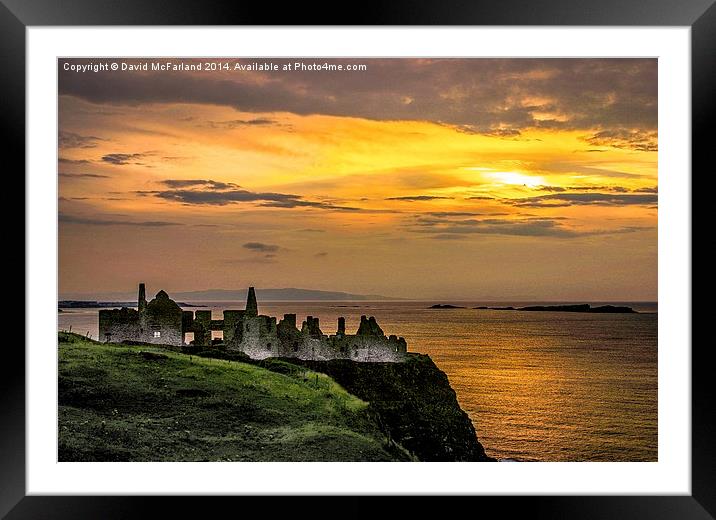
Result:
pixel 414 403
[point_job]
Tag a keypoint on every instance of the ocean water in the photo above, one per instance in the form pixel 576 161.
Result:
pixel 538 386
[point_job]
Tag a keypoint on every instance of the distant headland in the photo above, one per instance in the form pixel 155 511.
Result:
pixel 234 295
pixel 93 304
pixel 585 307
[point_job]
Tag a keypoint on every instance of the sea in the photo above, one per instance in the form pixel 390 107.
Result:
pixel 538 386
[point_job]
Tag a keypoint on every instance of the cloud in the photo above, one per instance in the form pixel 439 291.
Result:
pixel 494 132
pixel 261 247
pixel 571 167
pixel 653 189
pixel 418 197
pixel 292 201
pixel 455 229
pixel 87 175
pixel 67 140
pixel 499 97
pixel 479 197
pixel 120 159
pixel 215 195
pixel 453 214
pixel 65 160
pixel 263 259
pixel 628 138
pixel 562 189
pixel 236 123
pixel 186 183
pixel 581 199
pixel 321 254
pixel 72 219
pixel 448 236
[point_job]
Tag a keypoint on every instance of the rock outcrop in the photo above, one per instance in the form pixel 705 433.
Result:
pixel 414 401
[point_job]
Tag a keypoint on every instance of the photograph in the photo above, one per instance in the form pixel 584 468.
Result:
pixel 357 259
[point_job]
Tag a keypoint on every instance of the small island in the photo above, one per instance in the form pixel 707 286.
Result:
pixel 616 309
pixel 445 306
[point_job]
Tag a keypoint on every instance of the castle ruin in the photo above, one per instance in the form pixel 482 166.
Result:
pixel 162 321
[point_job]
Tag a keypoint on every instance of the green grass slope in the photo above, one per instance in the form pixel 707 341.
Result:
pixel 145 403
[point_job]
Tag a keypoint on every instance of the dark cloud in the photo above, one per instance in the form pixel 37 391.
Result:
pixel 562 189
pixel 492 96
pixel 237 123
pixel 65 160
pixel 580 199
pixel 543 227
pixel 629 138
pixel 72 219
pixel 209 184
pixel 479 197
pixel 418 197
pixel 216 196
pixel 653 189
pixel 86 175
pixel 67 140
pixel 321 254
pixel 293 201
pixel 261 247
pixel 120 159
pixel 494 132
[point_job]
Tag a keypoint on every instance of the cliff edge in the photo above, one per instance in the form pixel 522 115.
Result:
pixel 414 402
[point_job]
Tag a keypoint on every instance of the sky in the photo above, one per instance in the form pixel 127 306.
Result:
pixel 473 179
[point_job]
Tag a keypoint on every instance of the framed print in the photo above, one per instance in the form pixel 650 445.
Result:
pixel 289 258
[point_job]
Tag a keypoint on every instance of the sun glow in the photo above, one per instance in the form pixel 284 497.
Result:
pixel 514 178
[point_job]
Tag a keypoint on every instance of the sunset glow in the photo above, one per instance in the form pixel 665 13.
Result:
pixel 532 179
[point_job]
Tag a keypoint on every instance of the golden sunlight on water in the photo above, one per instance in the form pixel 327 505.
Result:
pixel 550 386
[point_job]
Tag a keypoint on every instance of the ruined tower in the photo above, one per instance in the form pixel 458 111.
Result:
pixel 142 299
pixel 163 321
pixel 252 308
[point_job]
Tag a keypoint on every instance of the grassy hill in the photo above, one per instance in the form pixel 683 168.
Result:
pixel 145 403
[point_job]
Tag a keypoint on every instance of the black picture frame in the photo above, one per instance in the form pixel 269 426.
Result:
pixel 17 15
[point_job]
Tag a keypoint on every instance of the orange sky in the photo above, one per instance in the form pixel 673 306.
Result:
pixel 463 179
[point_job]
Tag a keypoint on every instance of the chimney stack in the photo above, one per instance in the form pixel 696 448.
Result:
pixel 252 308
pixel 142 299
